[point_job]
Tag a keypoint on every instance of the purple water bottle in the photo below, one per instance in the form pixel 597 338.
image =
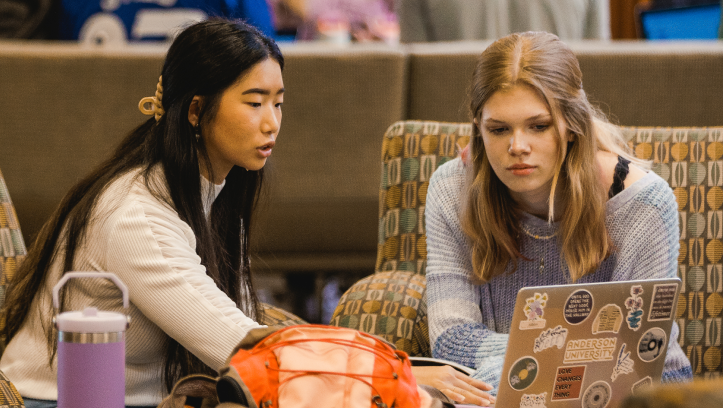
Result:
pixel 91 351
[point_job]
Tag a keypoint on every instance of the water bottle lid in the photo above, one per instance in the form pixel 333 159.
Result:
pixel 91 320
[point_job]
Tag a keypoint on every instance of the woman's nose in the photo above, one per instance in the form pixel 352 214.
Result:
pixel 518 144
pixel 271 121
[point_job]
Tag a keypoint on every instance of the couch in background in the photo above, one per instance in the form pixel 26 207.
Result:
pixel 65 107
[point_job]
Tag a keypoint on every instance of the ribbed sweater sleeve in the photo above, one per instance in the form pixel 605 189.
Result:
pixel 455 316
pixel 153 255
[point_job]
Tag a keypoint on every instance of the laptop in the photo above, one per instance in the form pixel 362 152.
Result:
pixel 587 345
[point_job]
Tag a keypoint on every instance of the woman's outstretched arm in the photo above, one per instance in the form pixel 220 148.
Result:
pixel 456 327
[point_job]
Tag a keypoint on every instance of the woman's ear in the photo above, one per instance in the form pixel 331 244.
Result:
pixel 194 110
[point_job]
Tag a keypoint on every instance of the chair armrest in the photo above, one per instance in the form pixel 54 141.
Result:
pixel 390 305
pixel 276 316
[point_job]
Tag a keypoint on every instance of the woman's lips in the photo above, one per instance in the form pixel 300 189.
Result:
pixel 521 169
pixel 265 150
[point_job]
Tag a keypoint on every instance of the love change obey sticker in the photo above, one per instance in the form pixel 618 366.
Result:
pixel 534 310
pixel 578 306
pixel 523 373
pixel 661 306
pixel 568 383
pixel 597 395
pixel 651 345
pixel 608 319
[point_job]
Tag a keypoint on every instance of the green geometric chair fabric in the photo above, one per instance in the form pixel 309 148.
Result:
pixel 689 159
pixel 411 152
pixel 389 305
pixel 12 246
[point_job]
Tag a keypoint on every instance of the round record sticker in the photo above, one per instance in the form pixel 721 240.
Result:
pixel 651 344
pixel 597 395
pixel 578 307
pixel 523 373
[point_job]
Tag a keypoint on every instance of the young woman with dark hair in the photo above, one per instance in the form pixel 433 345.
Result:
pixel 170 214
pixel 549 194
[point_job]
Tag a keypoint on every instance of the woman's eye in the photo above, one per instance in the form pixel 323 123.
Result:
pixel 541 128
pixel 497 131
pixel 278 105
pixel 255 104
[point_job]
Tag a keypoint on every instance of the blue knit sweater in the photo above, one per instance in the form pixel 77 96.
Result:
pixel 469 324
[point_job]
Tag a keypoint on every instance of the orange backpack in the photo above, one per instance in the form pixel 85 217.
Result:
pixel 319 366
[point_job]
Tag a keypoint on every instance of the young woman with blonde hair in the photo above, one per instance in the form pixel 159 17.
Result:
pixel 549 194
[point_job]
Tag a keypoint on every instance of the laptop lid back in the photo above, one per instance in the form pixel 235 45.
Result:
pixel 587 345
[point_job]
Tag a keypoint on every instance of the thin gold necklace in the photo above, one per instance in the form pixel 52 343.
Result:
pixel 542 237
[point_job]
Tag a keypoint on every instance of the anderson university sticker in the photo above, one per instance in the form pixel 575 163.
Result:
pixel 588 350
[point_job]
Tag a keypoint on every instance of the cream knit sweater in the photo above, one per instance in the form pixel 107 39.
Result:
pixel 145 243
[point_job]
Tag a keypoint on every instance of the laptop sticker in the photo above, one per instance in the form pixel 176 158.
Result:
pixel 624 364
pixel 568 383
pixel 661 306
pixel 634 304
pixel 533 400
pixel 608 319
pixel 589 350
pixel 597 395
pixel 550 338
pixel 523 373
pixel 578 306
pixel 534 310
pixel 651 345
pixel 643 383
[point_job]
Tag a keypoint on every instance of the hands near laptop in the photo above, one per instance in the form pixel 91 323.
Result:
pixel 454 384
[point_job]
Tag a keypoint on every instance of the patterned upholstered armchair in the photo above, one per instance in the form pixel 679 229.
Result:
pixel 12 246
pixel 391 303
pixel 12 252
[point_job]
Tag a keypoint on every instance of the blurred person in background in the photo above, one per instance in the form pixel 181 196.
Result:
pixel 451 20
pixel 338 21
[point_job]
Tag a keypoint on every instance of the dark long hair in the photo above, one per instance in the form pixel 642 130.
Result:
pixel 205 60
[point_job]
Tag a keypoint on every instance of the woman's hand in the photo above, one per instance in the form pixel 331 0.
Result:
pixel 454 384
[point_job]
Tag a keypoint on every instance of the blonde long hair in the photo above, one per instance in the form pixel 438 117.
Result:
pixel 490 217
